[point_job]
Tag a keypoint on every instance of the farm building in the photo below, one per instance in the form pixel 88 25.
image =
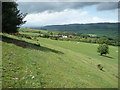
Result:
pixel 61 36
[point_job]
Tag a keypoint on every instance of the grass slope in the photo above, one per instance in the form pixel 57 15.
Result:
pixel 57 64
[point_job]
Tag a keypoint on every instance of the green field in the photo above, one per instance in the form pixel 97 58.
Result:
pixel 30 33
pixel 56 64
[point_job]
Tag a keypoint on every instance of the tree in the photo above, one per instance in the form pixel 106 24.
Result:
pixel 103 49
pixel 50 33
pixel 103 40
pixel 11 17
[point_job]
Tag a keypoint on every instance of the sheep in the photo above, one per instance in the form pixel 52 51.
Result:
pixel 100 67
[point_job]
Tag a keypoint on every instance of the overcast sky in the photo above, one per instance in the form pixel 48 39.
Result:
pixel 58 13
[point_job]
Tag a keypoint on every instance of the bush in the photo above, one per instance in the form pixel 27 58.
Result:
pixel 54 38
pixel 103 49
pixel 103 40
pixel 46 35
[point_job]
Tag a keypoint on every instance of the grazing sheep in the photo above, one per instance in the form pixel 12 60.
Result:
pixel 100 67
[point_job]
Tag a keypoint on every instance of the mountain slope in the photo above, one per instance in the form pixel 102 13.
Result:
pixel 57 64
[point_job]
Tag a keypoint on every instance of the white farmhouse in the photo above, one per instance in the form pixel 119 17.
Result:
pixel 64 36
pixel 61 36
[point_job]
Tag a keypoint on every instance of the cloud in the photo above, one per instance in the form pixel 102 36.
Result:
pixel 36 7
pixel 64 17
pixel 107 6
pixel 46 18
pixel 67 0
pixel 58 13
pixel 98 20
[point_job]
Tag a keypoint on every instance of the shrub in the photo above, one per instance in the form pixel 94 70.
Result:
pixel 103 49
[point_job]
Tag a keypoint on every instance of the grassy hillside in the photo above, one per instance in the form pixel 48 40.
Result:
pixel 33 32
pixel 56 64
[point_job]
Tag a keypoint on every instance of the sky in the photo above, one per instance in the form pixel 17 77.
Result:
pixel 59 13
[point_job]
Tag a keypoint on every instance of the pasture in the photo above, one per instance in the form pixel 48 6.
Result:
pixel 56 64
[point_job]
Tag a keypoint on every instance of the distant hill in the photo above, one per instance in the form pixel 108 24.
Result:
pixel 83 27
pixel 100 29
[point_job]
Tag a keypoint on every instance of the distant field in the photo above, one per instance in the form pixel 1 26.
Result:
pixel 33 32
pixel 100 33
pixel 56 64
